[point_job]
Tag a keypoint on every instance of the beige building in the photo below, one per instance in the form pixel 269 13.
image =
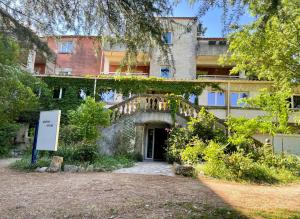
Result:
pixel 139 122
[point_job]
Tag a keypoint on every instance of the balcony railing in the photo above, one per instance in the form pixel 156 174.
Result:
pixel 143 74
pixel 219 77
pixel 211 50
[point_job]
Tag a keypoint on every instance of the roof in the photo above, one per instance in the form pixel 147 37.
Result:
pixel 179 18
pixel 212 38
pixel 69 36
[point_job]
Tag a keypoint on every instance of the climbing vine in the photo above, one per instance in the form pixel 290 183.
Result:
pixel 173 103
pixel 125 84
pixel 121 84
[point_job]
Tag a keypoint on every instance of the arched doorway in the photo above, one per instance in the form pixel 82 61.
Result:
pixel 156 136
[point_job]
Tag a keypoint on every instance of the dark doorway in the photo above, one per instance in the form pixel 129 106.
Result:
pixel 161 136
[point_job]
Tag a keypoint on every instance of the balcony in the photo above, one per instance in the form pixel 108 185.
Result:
pixel 205 49
pixel 220 77
pixel 141 74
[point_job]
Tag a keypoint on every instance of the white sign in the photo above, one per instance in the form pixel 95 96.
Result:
pixel 48 130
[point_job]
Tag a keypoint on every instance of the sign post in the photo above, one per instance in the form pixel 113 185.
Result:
pixel 34 151
pixel 46 133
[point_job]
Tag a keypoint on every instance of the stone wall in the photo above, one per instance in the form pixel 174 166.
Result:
pixel 127 134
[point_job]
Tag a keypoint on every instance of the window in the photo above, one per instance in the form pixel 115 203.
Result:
pixel 212 42
pixel 216 99
pixel 165 72
pixel 167 38
pixel 63 71
pixel 82 94
pixel 58 93
pixel 296 102
pixel 65 47
pixel 193 99
pixel 108 96
pixel 222 42
pixel 236 96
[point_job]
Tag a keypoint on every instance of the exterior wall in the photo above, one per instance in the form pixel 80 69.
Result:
pixel 183 49
pixel 129 132
pixel 137 69
pixel 229 86
pixel 85 58
pixel 282 143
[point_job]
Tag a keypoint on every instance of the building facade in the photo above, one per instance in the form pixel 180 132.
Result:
pixel 193 58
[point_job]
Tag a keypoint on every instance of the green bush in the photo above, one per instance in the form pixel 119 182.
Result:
pixel 7 133
pixel 87 118
pixel 177 141
pixel 66 152
pixel 70 135
pixel 193 153
pixel 214 157
pixel 85 152
pixel 241 166
pixel 203 127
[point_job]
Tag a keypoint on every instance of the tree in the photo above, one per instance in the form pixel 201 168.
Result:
pixel 271 52
pixel 132 23
pixel 9 51
pixel 88 117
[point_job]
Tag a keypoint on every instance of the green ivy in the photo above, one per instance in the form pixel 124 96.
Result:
pixel 127 84
pixel 122 84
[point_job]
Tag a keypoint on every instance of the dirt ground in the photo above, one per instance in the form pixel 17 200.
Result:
pixel 113 195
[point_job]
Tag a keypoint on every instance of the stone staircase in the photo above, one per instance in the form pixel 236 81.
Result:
pixel 151 103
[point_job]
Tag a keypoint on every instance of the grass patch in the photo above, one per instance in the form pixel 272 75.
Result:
pixel 275 214
pixel 109 163
pixel 193 210
pixel 265 175
pixel 25 163
pixel 101 163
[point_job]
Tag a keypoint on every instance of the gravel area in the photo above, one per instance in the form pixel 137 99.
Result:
pixel 121 195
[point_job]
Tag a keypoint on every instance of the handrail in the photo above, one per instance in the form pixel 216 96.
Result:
pixel 154 103
pixel 129 73
pixel 220 76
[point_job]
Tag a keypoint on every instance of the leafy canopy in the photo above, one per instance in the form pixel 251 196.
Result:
pixel 268 48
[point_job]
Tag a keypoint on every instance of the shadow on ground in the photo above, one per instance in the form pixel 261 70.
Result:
pixel 115 195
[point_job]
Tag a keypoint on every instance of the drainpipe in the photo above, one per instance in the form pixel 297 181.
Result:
pixel 228 104
pixel 101 64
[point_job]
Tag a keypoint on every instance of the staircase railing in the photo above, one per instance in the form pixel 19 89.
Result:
pixel 151 103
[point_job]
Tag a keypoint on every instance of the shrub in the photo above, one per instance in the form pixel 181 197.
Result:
pixel 177 141
pixel 66 151
pixel 203 127
pixel 7 133
pixel 85 152
pixel 87 117
pixel 214 157
pixel 70 135
pixel 193 153
pixel 242 167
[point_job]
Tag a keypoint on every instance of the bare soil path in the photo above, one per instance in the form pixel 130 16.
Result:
pixel 117 195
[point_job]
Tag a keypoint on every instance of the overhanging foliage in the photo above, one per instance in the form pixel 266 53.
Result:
pixel 125 85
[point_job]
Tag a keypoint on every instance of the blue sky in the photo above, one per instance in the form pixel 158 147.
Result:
pixel 212 20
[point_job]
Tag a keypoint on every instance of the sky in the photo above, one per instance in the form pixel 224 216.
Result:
pixel 212 20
